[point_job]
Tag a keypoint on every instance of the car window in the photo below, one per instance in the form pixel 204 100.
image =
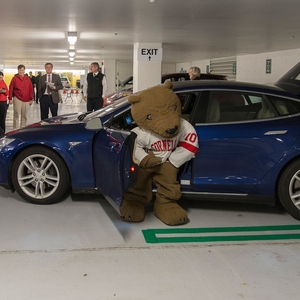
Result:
pixel 285 106
pixel 240 106
pixel 187 101
pixel 232 106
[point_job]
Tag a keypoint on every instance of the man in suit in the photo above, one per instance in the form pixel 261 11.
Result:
pixel 49 85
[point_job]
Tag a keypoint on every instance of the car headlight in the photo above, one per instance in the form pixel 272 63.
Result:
pixel 5 141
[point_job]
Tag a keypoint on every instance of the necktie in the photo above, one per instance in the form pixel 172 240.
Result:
pixel 48 88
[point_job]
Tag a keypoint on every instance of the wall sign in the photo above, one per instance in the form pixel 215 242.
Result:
pixel 268 66
pixel 234 68
pixel 151 54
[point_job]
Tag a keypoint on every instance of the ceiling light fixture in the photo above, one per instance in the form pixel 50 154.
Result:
pixel 72 37
pixel 71 58
pixel 71 62
pixel 71 53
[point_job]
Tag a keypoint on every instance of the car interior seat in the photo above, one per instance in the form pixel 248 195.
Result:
pixel 214 111
pixel 265 112
pixel 281 107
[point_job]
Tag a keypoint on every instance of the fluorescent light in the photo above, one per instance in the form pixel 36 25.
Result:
pixel 71 62
pixel 71 58
pixel 72 37
pixel 71 53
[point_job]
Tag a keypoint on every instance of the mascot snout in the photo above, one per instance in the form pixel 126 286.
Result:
pixel 172 131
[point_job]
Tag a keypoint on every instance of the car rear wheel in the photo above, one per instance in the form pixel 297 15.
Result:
pixel 289 189
pixel 40 176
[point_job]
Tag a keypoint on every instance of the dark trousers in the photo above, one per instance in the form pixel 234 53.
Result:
pixel 94 103
pixel 46 103
pixel 3 111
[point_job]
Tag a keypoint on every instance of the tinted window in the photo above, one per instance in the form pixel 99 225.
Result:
pixel 232 106
pixel 284 106
pixel 239 106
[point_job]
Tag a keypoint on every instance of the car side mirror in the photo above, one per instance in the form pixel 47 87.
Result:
pixel 94 124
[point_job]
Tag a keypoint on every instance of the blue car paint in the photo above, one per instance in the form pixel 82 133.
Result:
pixel 240 153
pixel 79 158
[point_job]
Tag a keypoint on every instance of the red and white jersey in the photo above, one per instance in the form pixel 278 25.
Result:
pixel 177 150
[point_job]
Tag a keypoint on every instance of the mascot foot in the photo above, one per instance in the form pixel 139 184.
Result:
pixel 132 211
pixel 170 213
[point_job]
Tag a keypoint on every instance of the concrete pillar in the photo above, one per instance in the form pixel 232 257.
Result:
pixel 147 59
pixel 109 69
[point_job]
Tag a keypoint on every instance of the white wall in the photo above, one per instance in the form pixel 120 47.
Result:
pixel 252 68
pixel 168 68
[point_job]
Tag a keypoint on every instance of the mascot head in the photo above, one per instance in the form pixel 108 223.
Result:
pixel 157 110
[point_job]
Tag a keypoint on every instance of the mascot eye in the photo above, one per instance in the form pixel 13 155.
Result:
pixel 175 107
pixel 149 117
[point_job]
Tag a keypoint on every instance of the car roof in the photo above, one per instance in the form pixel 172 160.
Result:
pixel 229 85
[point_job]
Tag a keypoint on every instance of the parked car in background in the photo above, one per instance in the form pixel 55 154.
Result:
pixel 170 76
pixel 128 81
pixel 65 82
pixel 249 147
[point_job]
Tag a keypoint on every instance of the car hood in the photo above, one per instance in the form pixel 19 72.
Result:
pixel 290 81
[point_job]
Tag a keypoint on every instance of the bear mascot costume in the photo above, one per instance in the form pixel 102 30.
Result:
pixel 163 143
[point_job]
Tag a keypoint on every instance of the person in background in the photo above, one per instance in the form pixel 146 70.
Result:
pixel 32 78
pixel 49 85
pixel 96 88
pixel 194 73
pixel 21 96
pixel 3 104
pixel 37 78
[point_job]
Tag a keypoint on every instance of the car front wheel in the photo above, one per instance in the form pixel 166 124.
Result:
pixel 289 189
pixel 40 176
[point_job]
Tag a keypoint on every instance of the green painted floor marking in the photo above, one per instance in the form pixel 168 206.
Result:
pixel 156 235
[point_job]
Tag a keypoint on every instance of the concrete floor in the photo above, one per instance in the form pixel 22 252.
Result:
pixel 80 249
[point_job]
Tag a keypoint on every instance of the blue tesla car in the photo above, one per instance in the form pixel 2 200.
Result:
pixel 249 147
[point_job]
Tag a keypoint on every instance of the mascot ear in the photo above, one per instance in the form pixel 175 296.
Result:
pixel 134 99
pixel 168 84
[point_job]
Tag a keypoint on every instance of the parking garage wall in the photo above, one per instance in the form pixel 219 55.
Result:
pixel 253 68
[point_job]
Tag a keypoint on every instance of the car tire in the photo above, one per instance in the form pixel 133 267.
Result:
pixel 289 189
pixel 40 176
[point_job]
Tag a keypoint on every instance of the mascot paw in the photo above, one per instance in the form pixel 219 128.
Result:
pixel 170 213
pixel 150 161
pixel 132 211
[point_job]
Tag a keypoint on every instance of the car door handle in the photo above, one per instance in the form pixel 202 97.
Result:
pixel 276 132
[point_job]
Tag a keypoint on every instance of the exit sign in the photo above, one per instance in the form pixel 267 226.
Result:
pixel 268 66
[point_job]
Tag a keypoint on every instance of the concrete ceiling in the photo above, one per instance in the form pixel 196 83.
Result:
pixel 34 31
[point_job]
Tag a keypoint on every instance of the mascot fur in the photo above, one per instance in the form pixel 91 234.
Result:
pixel 164 142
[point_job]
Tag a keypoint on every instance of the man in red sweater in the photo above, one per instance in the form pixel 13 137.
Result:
pixel 21 96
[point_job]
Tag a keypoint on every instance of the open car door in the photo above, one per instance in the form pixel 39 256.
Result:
pixel 113 166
